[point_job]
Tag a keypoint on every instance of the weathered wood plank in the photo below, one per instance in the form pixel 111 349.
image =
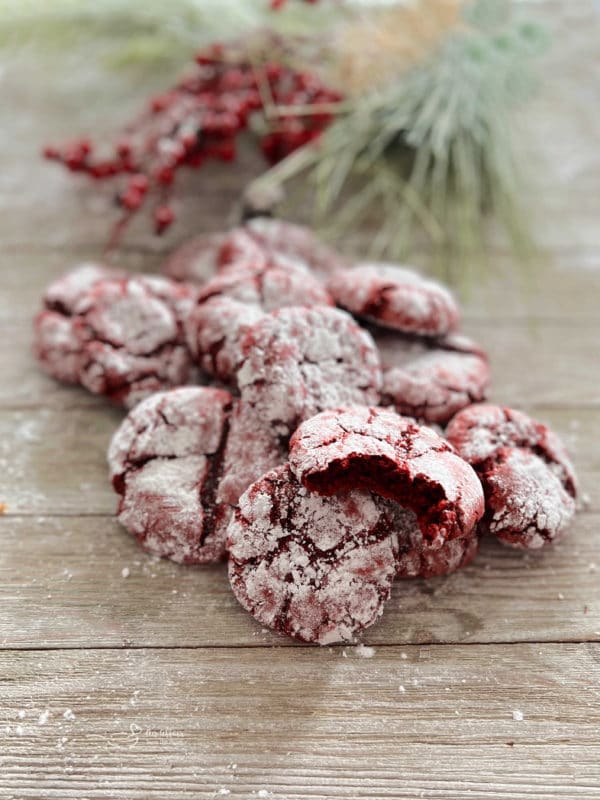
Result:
pixel 53 461
pixel 62 585
pixel 234 716
pixel 483 722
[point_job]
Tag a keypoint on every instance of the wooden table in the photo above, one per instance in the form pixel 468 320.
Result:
pixel 126 677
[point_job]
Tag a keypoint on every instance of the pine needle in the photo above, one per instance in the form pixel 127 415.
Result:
pixel 432 150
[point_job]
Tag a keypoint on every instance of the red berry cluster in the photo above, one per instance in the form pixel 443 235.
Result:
pixel 199 119
pixel 294 92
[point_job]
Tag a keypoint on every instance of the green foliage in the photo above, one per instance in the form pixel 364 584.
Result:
pixel 433 152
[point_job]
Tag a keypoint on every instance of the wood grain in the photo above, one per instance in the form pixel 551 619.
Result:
pixel 153 682
pixel 62 585
pixel 411 722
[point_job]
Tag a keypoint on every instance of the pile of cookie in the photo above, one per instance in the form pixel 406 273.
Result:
pixel 319 424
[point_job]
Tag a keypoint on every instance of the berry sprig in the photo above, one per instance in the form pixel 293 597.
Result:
pixel 277 5
pixel 199 119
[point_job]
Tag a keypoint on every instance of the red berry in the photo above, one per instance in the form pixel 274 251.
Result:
pixel 273 71
pixel 103 169
pixel 140 183
pixel 196 160
pixel 226 150
pixel 131 199
pixel 160 102
pixel 84 146
pixel 165 175
pixel 188 140
pixel 123 149
pixel 163 217
pixel 234 79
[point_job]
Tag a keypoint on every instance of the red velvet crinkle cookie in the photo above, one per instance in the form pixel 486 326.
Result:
pixel 197 260
pixel 419 559
pixel 436 385
pixel 165 462
pixel 315 568
pixel 236 298
pixel 55 343
pixel 393 456
pixel 528 479
pixel 277 282
pixel 240 249
pixel 299 361
pixel 213 332
pixel 396 297
pixel 122 337
pixel 268 235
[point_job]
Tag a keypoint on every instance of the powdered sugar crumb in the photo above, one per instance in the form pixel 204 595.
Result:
pixel 44 717
pixel 364 652
pixel 518 716
pixel 125 572
pixel 69 715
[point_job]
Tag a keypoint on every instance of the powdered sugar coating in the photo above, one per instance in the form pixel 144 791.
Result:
pixel 396 297
pixel 196 260
pixel 417 558
pixel 277 282
pixel 120 337
pixel 529 482
pixel 251 450
pixel 527 506
pixel 240 250
pixel 165 462
pixel 56 344
pixel 436 385
pixel 237 298
pixel 63 293
pixel 213 332
pixel 318 569
pixel 299 361
pixel 375 449
pixel 478 432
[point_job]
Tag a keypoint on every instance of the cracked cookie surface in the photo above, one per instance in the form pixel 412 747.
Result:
pixel 165 463
pixel 395 297
pixel 56 344
pixel 437 385
pixel 528 479
pixel 314 568
pixel 298 361
pixel 238 297
pixel 120 336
